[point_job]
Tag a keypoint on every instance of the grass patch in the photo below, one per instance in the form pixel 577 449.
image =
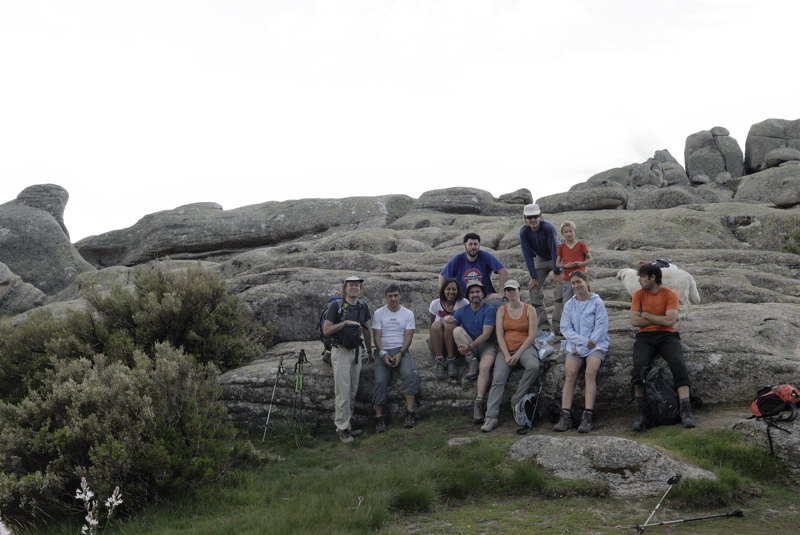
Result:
pixel 412 482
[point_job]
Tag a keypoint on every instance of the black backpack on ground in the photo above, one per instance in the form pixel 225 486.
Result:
pixel 660 399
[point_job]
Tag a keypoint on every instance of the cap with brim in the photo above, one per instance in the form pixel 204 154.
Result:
pixel 531 209
pixel 511 284
pixel 478 283
pixel 353 278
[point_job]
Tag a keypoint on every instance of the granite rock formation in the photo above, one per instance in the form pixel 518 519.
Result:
pixel 737 235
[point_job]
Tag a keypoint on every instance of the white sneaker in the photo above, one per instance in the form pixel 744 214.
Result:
pixel 517 417
pixel 489 424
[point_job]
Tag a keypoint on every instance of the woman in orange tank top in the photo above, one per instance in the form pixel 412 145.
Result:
pixel 515 325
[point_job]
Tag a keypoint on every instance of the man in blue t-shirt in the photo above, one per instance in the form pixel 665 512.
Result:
pixel 539 241
pixel 474 264
pixel 475 339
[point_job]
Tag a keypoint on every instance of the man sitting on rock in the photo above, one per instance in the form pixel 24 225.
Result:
pixel 475 339
pixel 654 310
pixel 393 329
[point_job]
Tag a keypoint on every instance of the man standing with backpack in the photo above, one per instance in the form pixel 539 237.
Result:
pixel 654 311
pixel 346 321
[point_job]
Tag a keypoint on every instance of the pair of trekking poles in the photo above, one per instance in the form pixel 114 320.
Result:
pixel 297 404
pixel 672 482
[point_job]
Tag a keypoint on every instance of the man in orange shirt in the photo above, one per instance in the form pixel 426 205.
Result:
pixel 654 310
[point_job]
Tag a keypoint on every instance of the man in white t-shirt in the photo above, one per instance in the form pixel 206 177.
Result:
pixel 392 331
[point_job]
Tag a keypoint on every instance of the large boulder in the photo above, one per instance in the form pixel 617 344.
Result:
pixel 15 294
pixel 204 230
pixel 673 172
pixel 712 152
pixel 777 157
pixel 778 185
pixel 469 201
pixel 33 241
pixel 586 196
pixel 766 136
pixel 627 467
pixel 652 197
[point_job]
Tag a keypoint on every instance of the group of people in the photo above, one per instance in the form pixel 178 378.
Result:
pixel 496 333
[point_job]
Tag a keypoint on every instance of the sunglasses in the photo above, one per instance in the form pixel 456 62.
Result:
pixel 529 217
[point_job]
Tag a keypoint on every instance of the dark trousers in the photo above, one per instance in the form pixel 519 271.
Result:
pixel 648 345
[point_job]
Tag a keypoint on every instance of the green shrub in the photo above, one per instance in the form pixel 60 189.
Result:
pixel 125 394
pixel 188 308
pixel 153 428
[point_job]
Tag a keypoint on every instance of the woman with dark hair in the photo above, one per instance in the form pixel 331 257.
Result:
pixel 441 324
pixel 584 325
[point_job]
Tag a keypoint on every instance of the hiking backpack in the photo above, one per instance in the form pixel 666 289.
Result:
pixel 328 341
pixel 773 400
pixel 660 399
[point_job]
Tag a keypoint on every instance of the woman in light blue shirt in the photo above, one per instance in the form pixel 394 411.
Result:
pixel 584 325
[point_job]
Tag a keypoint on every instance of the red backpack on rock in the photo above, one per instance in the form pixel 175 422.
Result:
pixel 773 400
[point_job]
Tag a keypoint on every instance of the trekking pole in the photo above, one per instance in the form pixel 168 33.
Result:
pixel 298 384
pixel 278 373
pixel 672 482
pixel 708 517
pixel 544 366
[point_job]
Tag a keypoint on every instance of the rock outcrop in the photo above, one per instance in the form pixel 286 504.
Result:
pixel 711 152
pixel 737 234
pixel 766 136
pixel 34 243
pixel 629 468
pixel 16 295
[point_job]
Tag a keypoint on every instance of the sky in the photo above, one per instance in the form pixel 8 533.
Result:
pixel 146 105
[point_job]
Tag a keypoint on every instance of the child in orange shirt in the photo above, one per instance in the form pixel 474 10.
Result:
pixel 571 255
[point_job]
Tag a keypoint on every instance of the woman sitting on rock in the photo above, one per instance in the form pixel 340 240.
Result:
pixel 584 325
pixel 441 325
pixel 516 326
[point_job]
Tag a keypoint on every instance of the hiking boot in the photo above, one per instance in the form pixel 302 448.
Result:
pixel 411 419
pixel 472 374
pixel 479 411
pixel 564 421
pixel 640 420
pixel 345 436
pixel 441 369
pixel 452 372
pixel 686 413
pixel 380 424
pixel 489 424
pixel 586 421
pixel 355 432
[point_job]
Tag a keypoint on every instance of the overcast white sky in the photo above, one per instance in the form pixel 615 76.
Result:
pixel 145 105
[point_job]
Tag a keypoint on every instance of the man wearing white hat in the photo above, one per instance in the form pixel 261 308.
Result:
pixel 347 320
pixel 539 241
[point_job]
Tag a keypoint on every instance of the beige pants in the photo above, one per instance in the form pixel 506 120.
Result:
pixel 346 372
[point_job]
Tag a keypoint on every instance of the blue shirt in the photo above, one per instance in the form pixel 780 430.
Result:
pixel 473 320
pixel 582 321
pixel 542 243
pixel 460 268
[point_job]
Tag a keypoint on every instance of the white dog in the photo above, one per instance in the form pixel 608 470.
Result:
pixel 676 279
